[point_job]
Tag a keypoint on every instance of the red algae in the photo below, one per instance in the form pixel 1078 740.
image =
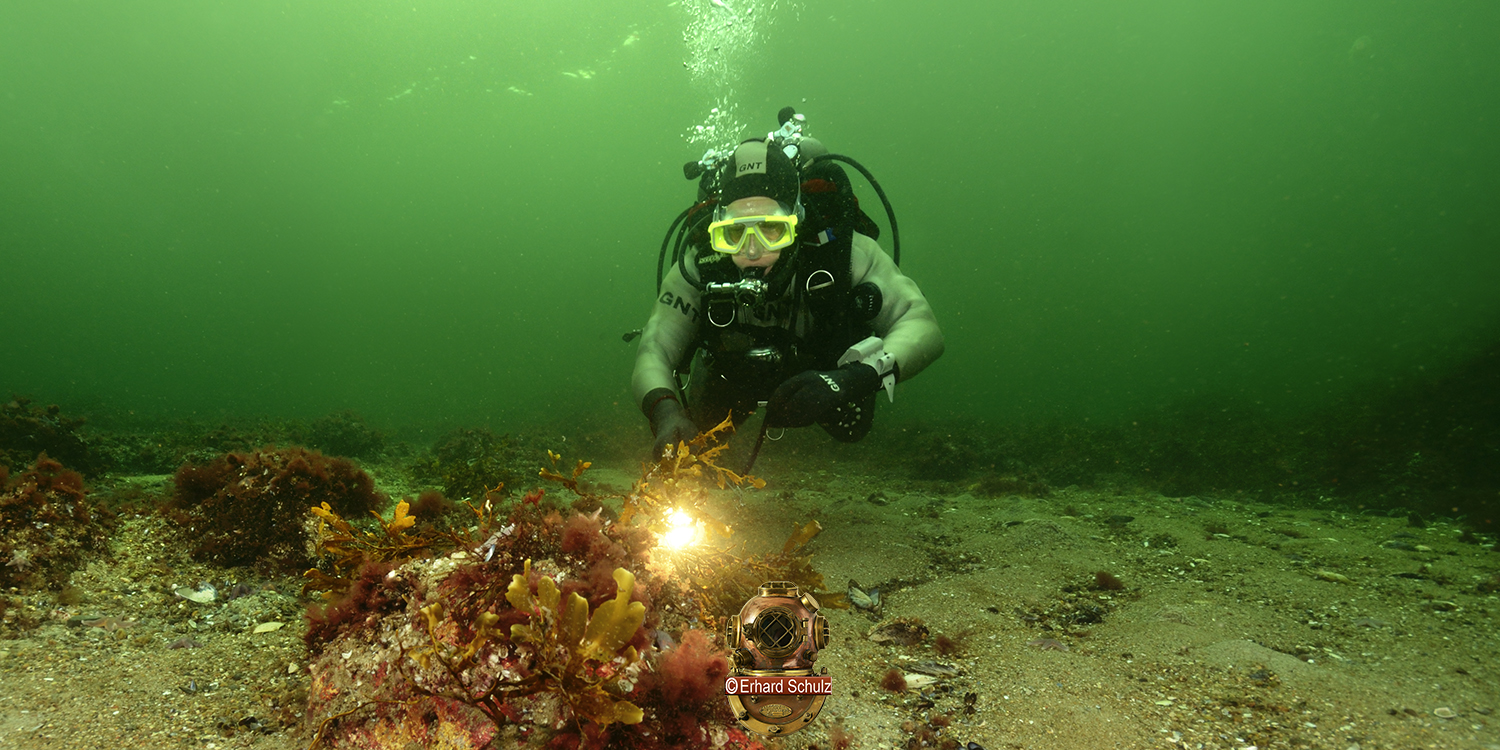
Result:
pixel 693 672
pixel 244 508
pixel 48 528
pixel 893 680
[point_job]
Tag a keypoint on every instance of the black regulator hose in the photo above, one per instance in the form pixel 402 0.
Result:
pixel 759 440
pixel 682 229
pixel 679 253
pixel 661 257
pixel 890 213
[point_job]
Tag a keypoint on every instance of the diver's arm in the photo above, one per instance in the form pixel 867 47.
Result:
pixel 666 337
pixel 906 324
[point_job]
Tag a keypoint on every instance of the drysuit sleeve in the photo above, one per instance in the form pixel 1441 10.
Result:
pixel 675 317
pixel 905 323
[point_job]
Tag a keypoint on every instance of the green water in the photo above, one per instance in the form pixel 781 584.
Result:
pixel 451 211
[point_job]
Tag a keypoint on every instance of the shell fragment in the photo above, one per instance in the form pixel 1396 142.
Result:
pixel 204 594
pixel 861 598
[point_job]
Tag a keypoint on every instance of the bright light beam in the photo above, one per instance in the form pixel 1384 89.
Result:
pixel 682 531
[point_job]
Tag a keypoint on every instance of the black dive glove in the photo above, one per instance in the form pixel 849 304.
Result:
pixel 669 421
pixel 806 398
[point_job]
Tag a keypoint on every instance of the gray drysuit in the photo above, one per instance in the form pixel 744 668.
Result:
pixel 905 322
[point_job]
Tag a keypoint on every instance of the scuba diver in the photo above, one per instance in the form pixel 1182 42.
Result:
pixel 778 296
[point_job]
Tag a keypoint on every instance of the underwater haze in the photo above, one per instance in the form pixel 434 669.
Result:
pixel 451 211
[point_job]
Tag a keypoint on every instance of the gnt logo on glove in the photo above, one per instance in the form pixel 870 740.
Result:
pixel 776 638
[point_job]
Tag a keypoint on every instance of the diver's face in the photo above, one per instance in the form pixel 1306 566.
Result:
pixel 753 255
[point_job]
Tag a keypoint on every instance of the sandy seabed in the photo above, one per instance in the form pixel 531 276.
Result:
pixel 1241 624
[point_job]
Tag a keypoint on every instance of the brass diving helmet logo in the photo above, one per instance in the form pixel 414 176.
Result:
pixel 776 638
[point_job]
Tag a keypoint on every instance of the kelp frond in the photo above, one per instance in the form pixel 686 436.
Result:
pixel 669 484
pixel 725 580
pixel 571 482
pixel 582 655
pixel 346 548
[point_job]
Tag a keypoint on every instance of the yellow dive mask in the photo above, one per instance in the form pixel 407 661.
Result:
pixel 772 232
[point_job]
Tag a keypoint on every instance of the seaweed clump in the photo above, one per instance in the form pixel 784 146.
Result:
pixel 27 431
pixel 455 659
pixel 346 548
pixel 468 462
pixel 366 598
pixel 725 580
pixel 522 628
pixel 722 579
pixel 587 658
pixel 47 525
pixel 345 433
pixel 244 508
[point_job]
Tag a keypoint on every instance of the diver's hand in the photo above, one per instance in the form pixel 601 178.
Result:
pixel 670 425
pixel 804 399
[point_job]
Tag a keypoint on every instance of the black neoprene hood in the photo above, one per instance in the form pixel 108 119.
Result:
pixel 755 170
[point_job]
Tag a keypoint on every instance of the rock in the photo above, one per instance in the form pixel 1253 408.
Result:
pixel 905 631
